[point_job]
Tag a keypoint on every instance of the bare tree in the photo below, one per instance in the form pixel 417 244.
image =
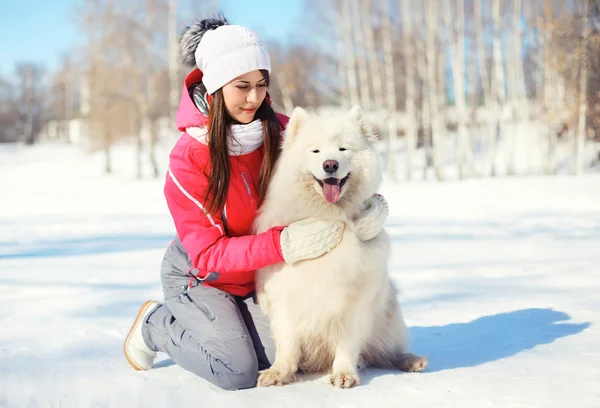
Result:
pixel 481 51
pixel 456 29
pixel 390 85
pixel 350 60
pixel 286 94
pixel 549 84
pixel 146 96
pixel 128 73
pixel 61 106
pixel 497 88
pixel 583 86
pixel 516 90
pixel 424 105
pixel 437 122
pixel 173 49
pixel 302 76
pixel 358 20
pixel 107 83
pixel 342 71
pixel 479 78
pixel 30 99
pixel 410 99
pixel 368 11
pixel 9 115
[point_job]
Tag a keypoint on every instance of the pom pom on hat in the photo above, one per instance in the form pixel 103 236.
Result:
pixel 192 35
pixel 222 51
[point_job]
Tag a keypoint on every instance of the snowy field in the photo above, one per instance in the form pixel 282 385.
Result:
pixel 500 285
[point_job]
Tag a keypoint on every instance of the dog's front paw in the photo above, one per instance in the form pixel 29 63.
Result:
pixel 272 376
pixel 344 380
pixel 411 363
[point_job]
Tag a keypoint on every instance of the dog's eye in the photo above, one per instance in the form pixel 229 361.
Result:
pixel 315 151
pixel 342 149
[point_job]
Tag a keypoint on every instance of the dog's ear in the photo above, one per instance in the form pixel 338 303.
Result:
pixel 356 113
pixel 297 119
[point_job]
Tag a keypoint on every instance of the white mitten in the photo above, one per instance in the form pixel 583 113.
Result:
pixel 371 218
pixel 309 238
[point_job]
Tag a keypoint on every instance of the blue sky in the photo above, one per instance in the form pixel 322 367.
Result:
pixel 41 30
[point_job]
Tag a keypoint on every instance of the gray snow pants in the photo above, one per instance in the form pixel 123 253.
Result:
pixel 222 338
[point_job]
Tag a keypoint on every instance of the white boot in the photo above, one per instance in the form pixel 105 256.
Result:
pixel 139 356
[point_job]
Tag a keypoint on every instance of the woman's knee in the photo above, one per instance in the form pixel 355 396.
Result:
pixel 243 369
pixel 239 381
pixel 236 370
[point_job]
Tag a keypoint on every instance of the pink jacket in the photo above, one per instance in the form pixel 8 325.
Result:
pixel 212 244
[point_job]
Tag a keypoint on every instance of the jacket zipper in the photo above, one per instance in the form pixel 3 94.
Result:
pixel 245 176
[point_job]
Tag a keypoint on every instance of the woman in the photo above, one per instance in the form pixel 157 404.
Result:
pixel 218 175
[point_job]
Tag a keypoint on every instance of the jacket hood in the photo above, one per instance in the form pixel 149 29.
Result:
pixel 188 114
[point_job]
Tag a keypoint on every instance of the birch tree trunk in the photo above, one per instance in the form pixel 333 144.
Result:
pixel 363 71
pixel 473 130
pixel 548 83
pixel 456 36
pixel 521 93
pixel 68 100
pixel 481 54
pixel 497 87
pixel 27 91
pixel 486 83
pixel 373 61
pixel 425 114
pixel 139 142
pixel 343 73
pixel 437 125
pixel 106 147
pixel 286 96
pixel 151 77
pixel 410 135
pixel 350 61
pixel 582 107
pixel 153 127
pixel 516 89
pixel 101 85
pixel 390 85
pixel 145 97
pixel 154 138
pixel 173 48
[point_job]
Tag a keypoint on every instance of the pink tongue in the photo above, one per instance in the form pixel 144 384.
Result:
pixel 331 192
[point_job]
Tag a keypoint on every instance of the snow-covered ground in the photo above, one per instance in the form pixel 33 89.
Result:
pixel 500 283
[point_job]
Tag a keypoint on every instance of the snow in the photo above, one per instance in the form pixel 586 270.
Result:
pixel 499 285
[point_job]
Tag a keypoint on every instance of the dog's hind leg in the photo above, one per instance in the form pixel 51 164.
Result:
pixel 409 362
pixel 287 356
pixel 389 350
pixel 399 357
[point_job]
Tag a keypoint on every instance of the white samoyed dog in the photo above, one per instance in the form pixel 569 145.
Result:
pixel 338 312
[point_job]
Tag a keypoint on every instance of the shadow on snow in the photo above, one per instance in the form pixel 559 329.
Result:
pixel 490 338
pixel 84 246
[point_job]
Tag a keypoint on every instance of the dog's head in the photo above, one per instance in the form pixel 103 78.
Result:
pixel 333 154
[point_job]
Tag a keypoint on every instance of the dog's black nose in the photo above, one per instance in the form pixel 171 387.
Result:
pixel 330 166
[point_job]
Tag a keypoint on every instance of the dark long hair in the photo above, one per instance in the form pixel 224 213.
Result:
pixel 218 124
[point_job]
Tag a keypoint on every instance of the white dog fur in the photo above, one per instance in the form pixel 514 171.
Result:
pixel 339 311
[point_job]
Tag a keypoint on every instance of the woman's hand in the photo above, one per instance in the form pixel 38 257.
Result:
pixel 309 238
pixel 369 222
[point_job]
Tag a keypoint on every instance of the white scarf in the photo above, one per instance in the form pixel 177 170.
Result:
pixel 241 139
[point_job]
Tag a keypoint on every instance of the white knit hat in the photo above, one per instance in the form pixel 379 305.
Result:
pixel 228 52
